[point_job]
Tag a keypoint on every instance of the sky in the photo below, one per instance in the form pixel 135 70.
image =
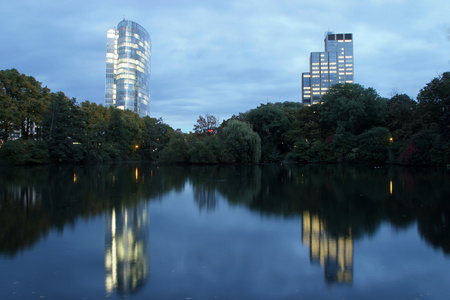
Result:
pixel 225 57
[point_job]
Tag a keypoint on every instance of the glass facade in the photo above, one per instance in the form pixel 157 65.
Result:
pixel 128 57
pixel 328 68
pixel 306 86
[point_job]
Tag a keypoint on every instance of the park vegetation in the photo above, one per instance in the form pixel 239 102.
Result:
pixel 353 124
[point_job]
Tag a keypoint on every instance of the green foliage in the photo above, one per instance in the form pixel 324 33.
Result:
pixel 343 143
pixel 155 136
pixel 23 151
pixel 353 124
pixel 96 119
pixel 320 152
pixel 206 125
pixel 64 130
pixel 269 122
pixel 287 105
pixel 400 119
pixel 116 133
pixel 177 150
pixel 133 125
pixel 124 132
pixel 353 107
pixel 444 127
pixel 304 124
pixel 422 150
pixel 372 146
pixel 434 100
pixel 301 152
pixel 9 115
pixel 22 102
pixel 206 150
pixel 241 143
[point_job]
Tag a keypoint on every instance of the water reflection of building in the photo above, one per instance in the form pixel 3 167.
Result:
pixel 27 196
pixel 126 248
pixel 335 254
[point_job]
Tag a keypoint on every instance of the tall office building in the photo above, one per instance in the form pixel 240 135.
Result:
pixel 328 68
pixel 128 53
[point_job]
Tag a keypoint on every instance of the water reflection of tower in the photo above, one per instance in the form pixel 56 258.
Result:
pixel 126 248
pixel 335 254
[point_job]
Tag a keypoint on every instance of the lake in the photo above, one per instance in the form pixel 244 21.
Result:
pixel 275 231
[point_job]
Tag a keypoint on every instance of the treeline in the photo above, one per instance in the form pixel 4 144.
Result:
pixel 353 124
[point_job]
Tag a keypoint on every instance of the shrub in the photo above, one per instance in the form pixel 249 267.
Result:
pixel 21 152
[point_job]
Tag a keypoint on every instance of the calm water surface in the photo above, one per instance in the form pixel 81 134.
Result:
pixel 250 232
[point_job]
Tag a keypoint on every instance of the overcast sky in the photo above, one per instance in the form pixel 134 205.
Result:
pixel 225 57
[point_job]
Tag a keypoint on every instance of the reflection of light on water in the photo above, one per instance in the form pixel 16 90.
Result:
pixel 137 174
pixel 111 257
pixel 335 254
pixel 390 187
pixel 27 196
pixel 74 177
pixel 126 249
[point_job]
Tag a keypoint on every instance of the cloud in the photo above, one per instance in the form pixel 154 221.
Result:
pixel 225 57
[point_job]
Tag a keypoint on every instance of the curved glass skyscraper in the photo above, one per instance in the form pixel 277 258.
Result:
pixel 128 54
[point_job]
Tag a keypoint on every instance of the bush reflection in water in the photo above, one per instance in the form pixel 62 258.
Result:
pixel 338 205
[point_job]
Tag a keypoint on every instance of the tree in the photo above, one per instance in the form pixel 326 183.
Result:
pixel 64 129
pixel 241 143
pixel 434 100
pixel 9 115
pixel 177 150
pixel 23 151
pixel 301 151
pixel 206 125
pixel 420 149
pixel 116 143
pixel 24 99
pixel 343 143
pixel 304 124
pixel 133 125
pixel 205 150
pixel 372 146
pixel 444 127
pixel 124 133
pixel 400 118
pixel 289 105
pixel 270 123
pixel 96 119
pixel 353 107
pixel 155 136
